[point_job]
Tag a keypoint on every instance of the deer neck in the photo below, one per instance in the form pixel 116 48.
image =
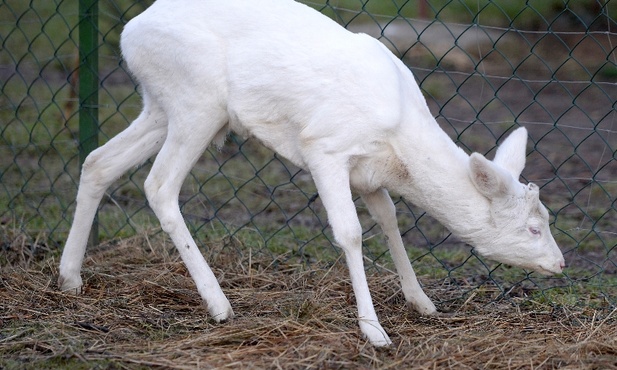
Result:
pixel 437 180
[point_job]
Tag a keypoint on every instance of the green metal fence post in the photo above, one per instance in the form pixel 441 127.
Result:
pixel 88 86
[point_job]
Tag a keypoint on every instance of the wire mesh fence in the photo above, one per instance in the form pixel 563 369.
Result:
pixel 485 68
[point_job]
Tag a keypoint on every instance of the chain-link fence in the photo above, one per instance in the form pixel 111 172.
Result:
pixel 484 66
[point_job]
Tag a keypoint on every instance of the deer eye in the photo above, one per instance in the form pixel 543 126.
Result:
pixel 534 230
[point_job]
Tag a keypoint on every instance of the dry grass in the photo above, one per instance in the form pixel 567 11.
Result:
pixel 140 310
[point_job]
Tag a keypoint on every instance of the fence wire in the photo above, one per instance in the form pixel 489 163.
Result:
pixel 485 68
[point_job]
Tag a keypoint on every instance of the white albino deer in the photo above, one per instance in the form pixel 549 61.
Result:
pixel 337 104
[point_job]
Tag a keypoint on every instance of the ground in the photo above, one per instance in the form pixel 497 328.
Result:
pixel 139 309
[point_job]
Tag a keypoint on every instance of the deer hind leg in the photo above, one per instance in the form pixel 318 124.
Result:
pixel 382 209
pixel 141 140
pixel 332 181
pixel 187 139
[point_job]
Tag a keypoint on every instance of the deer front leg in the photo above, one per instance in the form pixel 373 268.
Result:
pixel 332 182
pixel 382 209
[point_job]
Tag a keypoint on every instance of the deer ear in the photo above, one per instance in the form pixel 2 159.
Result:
pixel 511 153
pixel 491 180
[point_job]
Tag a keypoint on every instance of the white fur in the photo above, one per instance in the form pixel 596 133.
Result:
pixel 337 104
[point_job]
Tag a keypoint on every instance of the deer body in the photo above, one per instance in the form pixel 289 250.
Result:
pixel 337 104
